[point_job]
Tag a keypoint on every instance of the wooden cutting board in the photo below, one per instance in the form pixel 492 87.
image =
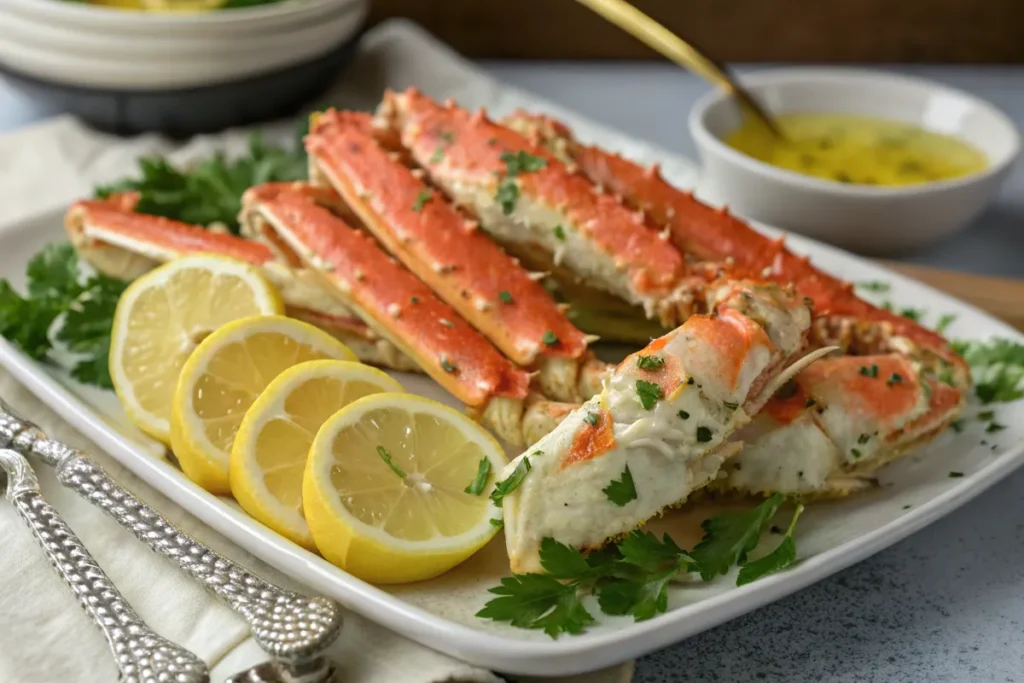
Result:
pixel 1002 297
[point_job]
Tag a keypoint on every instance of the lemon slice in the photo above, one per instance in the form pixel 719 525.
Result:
pixel 270 450
pixel 161 318
pixel 224 376
pixel 385 488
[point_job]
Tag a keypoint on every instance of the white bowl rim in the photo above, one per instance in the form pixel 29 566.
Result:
pixel 101 15
pixel 705 138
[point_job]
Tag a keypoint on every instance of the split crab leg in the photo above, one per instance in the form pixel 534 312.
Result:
pixel 713 235
pixel 447 251
pixel 535 206
pixel 399 307
pixel 663 421
pixel 838 422
pixel 118 242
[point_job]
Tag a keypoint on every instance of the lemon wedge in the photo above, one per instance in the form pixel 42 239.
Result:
pixel 161 318
pixel 273 440
pixel 385 490
pixel 224 376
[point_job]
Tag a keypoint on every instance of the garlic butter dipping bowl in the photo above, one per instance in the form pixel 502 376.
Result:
pixel 866 218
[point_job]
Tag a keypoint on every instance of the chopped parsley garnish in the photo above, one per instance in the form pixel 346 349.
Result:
pixel 510 484
pixel 515 163
pixel 522 162
pixel 957 425
pixel 650 362
pixel 855 452
pixel 559 233
pixel 876 286
pixel 690 381
pixel 549 338
pixel 448 136
pixel 386 457
pixel 704 434
pixel 987 415
pixel 437 155
pixel 648 393
pixel 497 523
pixel 894 378
pixel 507 195
pixel 622 490
pixel 945 320
pixel 448 366
pixel 955 475
pixel 421 199
pixel 483 472
pixel 415 299
pixel 810 403
pixel 684 415
pixel 730 405
pixel 863 439
pixel 446 322
pixel 592 419
pixel 633 577
pixel 869 370
pixel 505 297
pixel 914 314
pixel 994 427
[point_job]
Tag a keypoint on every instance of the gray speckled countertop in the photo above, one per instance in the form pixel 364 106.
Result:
pixel 947 604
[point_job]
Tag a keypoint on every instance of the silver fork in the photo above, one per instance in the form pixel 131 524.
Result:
pixel 141 655
pixel 293 629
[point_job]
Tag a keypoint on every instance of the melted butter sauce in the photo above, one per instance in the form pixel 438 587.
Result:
pixel 858 149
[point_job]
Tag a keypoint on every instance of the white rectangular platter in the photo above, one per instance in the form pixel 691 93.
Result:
pixel 440 613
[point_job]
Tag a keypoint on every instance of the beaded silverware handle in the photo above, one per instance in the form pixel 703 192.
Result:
pixel 141 655
pixel 293 628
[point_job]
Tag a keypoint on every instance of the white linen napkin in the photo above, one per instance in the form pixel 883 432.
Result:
pixel 44 637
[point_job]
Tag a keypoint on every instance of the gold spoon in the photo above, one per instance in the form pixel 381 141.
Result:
pixel 660 39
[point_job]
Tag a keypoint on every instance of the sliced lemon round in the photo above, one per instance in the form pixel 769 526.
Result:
pixel 161 318
pixel 224 376
pixel 269 455
pixel 385 490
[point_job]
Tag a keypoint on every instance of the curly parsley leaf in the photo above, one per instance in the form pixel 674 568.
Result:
pixel 648 393
pixel 211 190
pixel 782 557
pixel 997 367
pixel 537 601
pixel 622 490
pixel 729 536
pixel 57 287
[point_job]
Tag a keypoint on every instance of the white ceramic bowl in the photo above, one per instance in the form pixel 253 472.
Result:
pixel 101 48
pixel 869 219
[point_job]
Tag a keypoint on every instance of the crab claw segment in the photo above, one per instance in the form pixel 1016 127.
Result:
pixel 665 415
pixel 393 301
pixel 839 422
pixel 464 267
pixel 715 235
pixel 531 202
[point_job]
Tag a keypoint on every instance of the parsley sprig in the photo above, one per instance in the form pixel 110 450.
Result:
pixel 997 366
pixel 211 190
pixel 633 577
pixel 63 303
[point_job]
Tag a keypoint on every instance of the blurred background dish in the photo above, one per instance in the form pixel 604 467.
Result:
pixel 177 73
pixel 863 217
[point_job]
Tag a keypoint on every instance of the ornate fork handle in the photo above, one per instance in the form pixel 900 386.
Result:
pixel 141 655
pixel 290 627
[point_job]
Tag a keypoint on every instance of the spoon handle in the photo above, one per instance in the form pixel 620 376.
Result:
pixel 661 40
pixel 290 627
pixel 141 655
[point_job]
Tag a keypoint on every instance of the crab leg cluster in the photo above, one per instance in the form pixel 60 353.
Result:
pixel 408 243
